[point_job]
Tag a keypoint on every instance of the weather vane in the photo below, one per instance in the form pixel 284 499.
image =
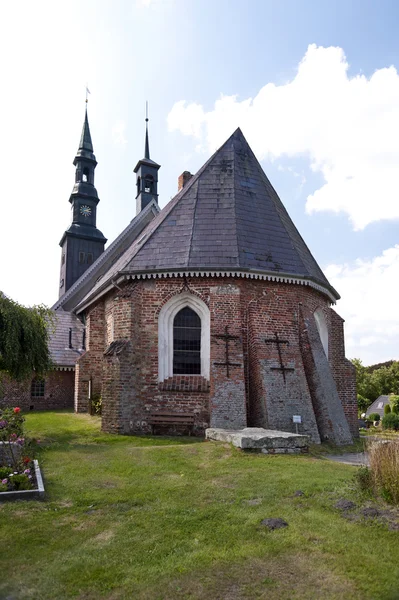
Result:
pixel 87 92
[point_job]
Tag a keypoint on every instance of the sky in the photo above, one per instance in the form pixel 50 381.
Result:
pixel 312 83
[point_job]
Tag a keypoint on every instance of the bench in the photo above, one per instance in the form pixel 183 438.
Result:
pixel 171 418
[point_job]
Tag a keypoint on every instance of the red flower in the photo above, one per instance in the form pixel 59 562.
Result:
pixel 17 410
pixel 26 459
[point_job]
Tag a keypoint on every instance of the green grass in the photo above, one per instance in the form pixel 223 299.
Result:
pixel 153 518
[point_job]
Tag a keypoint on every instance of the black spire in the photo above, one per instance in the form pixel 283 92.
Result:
pixel 147 145
pixel 147 174
pixel 86 146
pixel 82 243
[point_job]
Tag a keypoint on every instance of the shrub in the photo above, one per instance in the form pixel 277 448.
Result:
pixel 364 479
pixel 373 417
pixel 16 466
pixel 96 404
pixel 390 421
pixel 387 409
pixel 384 468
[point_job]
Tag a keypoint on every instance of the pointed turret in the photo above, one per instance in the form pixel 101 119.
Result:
pixel 86 145
pixel 82 243
pixel 147 144
pixel 146 176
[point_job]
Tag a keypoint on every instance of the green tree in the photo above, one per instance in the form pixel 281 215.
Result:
pixel 394 401
pixel 366 388
pixel 24 339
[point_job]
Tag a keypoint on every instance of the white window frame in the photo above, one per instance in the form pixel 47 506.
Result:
pixel 165 333
pixel 322 328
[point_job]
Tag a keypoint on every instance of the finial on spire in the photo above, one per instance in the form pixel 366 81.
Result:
pixel 147 145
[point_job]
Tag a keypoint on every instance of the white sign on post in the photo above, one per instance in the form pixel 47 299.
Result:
pixel 297 419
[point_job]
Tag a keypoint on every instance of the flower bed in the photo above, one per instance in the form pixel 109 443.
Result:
pixel 20 476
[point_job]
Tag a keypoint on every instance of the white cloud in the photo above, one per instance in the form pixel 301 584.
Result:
pixel 369 305
pixel 347 126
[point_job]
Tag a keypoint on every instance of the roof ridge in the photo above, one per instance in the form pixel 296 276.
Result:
pixel 101 259
pixel 279 205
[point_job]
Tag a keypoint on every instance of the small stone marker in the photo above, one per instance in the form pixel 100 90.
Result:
pixel 345 504
pixel 274 523
pixel 299 493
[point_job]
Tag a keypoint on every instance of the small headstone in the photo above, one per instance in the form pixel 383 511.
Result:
pixel 345 504
pixel 274 523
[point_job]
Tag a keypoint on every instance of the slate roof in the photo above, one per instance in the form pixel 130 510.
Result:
pixel 228 217
pixel 85 145
pixel 61 354
pixel 376 408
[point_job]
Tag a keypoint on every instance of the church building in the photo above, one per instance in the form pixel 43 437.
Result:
pixel 212 308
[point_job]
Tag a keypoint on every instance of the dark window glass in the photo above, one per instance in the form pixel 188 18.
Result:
pixel 187 343
pixel 81 257
pixel 37 388
pixel 148 183
pixel 89 258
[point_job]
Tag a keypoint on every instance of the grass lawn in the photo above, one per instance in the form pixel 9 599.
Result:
pixel 164 518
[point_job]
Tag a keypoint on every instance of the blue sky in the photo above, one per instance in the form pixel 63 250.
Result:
pixel 325 129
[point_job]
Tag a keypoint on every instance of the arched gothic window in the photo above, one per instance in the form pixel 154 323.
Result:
pixel 86 174
pixel 183 337
pixel 322 328
pixel 187 343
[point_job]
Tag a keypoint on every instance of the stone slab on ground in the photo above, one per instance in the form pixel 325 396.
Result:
pixel 267 441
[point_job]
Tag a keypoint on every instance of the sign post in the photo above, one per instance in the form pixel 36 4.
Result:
pixel 296 419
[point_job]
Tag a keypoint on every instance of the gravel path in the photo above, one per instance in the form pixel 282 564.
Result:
pixel 357 459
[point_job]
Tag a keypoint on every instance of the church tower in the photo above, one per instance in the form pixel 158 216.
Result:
pixel 82 243
pixel 146 177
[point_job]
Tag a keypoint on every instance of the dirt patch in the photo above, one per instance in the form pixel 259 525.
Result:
pixel 370 512
pixel 104 536
pixel 345 504
pixel 272 579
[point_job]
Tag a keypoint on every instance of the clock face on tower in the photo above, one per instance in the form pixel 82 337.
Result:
pixel 85 210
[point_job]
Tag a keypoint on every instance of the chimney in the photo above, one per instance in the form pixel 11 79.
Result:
pixel 183 179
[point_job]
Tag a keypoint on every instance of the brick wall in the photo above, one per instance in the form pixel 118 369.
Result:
pixel 89 367
pixel 254 393
pixel 343 372
pixel 58 392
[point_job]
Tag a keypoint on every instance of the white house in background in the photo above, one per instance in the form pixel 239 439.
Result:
pixel 378 406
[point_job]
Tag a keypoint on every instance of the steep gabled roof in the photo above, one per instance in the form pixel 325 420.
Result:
pixel 61 354
pixel 228 218
pixel 88 280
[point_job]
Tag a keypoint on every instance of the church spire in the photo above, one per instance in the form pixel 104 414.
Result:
pixel 85 149
pixel 147 145
pixel 146 174
pixel 85 138
pixel 82 243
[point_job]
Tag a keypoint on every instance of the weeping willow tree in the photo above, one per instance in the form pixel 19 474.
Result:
pixel 23 339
